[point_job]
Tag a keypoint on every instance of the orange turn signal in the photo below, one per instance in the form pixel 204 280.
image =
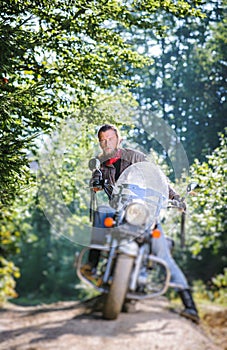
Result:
pixel 156 233
pixel 108 222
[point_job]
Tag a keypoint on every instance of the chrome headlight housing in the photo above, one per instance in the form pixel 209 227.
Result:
pixel 137 213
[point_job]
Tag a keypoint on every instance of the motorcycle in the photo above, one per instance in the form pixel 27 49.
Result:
pixel 127 270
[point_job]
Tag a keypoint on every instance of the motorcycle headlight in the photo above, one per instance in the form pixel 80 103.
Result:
pixel 137 214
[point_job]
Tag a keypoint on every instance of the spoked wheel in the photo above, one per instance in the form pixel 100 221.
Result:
pixel 118 289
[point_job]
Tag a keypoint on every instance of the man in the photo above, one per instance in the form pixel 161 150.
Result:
pixel 114 160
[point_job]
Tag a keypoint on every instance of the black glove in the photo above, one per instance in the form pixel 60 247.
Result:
pixel 96 181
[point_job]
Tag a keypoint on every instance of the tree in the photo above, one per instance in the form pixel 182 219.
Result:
pixel 186 84
pixel 207 224
pixel 56 58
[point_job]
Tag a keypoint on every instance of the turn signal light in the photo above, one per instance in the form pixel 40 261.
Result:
pixel 108 222
pixel 156 233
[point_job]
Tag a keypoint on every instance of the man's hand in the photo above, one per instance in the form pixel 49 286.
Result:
pixel 96 184
pixel 180 203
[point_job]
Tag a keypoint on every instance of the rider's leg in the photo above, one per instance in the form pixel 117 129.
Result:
pixel 99 232
pixel 160 248
pixel 190 310
pixel 98 236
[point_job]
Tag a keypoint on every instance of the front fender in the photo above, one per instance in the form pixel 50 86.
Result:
pixel 128 248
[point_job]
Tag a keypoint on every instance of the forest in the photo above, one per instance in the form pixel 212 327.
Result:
pixel 155 68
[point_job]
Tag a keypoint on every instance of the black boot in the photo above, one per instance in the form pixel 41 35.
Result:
pixel 190 310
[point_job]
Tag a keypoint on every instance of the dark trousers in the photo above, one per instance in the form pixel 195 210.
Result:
pixel 99 232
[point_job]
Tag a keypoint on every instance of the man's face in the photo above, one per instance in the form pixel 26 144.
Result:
pixel 108 141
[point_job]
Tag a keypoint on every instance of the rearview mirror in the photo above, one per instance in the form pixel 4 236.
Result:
pixel 93 164
pixel 192 186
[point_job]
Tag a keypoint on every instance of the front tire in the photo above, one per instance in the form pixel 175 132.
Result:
pixel 118 289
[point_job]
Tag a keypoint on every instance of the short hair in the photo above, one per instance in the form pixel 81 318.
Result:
pixel 106 127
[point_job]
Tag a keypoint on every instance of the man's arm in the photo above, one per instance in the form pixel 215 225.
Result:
pixel 173 194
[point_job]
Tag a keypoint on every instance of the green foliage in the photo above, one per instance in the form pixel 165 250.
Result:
pixel 57 57
pixel 214 291
pixel 204 255
pixel 206 225
pixel 186 84
pixel 220 285
pixel 9 245
pixel 208 222
pixel 46 265
pixel 8 273
pixel 14 228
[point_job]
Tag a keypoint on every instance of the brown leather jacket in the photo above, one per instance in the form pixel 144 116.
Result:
pixel 128 157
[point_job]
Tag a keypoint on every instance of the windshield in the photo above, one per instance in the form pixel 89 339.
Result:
pixel 143 181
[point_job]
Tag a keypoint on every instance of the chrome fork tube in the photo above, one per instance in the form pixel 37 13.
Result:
pixel 135 273
pixel 109 262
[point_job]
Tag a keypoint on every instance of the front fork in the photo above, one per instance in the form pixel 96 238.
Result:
pixel 136 271
pixel 125 247
pixel 109 264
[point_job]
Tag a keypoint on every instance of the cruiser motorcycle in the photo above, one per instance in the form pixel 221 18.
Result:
pixel 127 270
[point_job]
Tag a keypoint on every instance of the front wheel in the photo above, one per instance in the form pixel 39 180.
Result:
pixel 118 289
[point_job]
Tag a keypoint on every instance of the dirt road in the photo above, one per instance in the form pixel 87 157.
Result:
pixel 75 326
